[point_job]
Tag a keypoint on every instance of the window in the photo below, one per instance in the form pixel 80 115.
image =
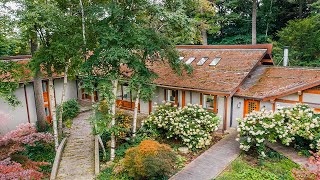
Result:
pixel 208 102
pixel 250 106
pixel 126 93
pixel 123 93
pixel 46 110
pixel 202 61
pixel 190 60
pixel 171 95
pixel 44 86
pixel 215 61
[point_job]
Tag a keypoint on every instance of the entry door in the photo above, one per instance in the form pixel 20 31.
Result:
pixel 45 90
pixel 250 106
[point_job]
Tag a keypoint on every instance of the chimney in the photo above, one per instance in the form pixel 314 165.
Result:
pixel 285 55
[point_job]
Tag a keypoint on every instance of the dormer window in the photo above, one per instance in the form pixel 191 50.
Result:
pixel 202 61
pixel 215 61
pixel 190 60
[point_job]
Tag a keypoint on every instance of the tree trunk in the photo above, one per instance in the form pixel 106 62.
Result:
pixel 83 26
pixel 254 22
pixel 65 82
pixel 53 112
pixel 113 121
pixel 37 87
pixel 300 8
pixel 204 37
pixel 135 115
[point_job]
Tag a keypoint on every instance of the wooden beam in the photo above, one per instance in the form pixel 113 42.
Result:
pixel 215 104
pixel 183 98
pixel 225 113
pixel 150 107
pixel 26 98
pixel 300 96
pixel 176 102
pixel 201 98
pixel 165 94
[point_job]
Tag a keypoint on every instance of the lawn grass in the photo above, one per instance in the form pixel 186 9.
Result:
pixel 246 167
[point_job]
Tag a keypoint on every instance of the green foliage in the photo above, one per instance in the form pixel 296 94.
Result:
pixel 149 160
pixel 41 153
pixel 71 109
pixel 273 168
pixel 303 38
pixel 11 74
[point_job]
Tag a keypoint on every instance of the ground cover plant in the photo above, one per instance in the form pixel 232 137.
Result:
pixel 246 167
pixel 26 153
pixel 298 126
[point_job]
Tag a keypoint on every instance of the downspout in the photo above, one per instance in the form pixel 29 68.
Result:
pixel 231 113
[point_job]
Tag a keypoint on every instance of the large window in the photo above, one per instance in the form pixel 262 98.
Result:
pixel 171 96
pixel 209 102
pixel 124 93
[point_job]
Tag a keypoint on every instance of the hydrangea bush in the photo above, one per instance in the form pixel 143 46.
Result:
pixel 286 124
pixel 192 124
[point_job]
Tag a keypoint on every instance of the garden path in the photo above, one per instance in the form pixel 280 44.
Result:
pixel 78 156
pixel 291 154
pixel 213 161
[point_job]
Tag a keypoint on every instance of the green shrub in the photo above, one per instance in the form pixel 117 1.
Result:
pixel 149 160
pixel 71 109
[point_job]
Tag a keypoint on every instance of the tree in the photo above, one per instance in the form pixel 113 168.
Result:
pixel 303 38
pixel 254 22
pixel 126 43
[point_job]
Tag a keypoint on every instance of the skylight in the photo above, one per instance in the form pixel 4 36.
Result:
pixel 215 61
pixel 180 58
pixel 202 61
pixel 190 60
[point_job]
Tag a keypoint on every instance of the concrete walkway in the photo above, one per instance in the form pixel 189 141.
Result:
pixel 291 154
pixel 78 157
pixel 213 161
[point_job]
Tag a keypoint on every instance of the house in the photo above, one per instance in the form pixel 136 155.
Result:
pixel 229 80
pixel 26 111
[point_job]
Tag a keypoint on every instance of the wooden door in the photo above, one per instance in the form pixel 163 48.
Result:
pixel 45 90
pixel 250 106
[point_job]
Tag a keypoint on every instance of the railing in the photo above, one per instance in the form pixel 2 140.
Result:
pixel 57 159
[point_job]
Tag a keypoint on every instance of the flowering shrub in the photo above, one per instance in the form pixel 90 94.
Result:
pixel 124 124
pixel 286 125
pixel 13 170
pixel 192 124
pixel 149 159
pixel 14 165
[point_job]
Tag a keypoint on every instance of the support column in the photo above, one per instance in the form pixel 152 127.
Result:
pixel 225 113
pixel 183 98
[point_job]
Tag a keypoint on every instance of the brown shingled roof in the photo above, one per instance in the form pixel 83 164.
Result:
pixel 272 82
pixel 225 77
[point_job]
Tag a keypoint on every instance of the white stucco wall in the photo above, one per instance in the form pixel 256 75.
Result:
pixel 31 103
pixel 144 107
pixel 266 104
pixel 292 97
pixel 17 115
pixel 237 110
pixel 188 97
pixel 195 98
pixel 71 90
pixel 311 98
